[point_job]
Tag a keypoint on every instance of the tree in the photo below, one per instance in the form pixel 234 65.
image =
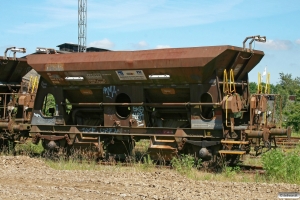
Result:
pixel 253 87
pixel 292 116
pixel 49 102
pixel 287 83
pixel 288 86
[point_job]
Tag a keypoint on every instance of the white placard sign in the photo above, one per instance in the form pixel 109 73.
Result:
pixel 131 75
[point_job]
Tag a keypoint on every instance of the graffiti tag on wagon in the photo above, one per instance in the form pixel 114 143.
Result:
pixel 99 130
pixel 110 91
pixel 138 115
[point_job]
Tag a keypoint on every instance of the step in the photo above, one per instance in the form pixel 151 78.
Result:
pixel 232 152
pixel 161 147
pixel 165 141
pixel 234 142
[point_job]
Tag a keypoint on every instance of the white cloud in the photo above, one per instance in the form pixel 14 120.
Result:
pixel 298 41
pixel 162 46
pixel 277 44
pixel 140 45
pixel 105 44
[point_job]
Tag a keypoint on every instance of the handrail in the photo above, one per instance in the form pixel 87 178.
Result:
pixel 259 87
pixel 267 89
pixel 225 82
pixel 227 88
pixel 232 81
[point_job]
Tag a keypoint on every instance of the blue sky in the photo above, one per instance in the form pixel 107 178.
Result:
pixel 150 24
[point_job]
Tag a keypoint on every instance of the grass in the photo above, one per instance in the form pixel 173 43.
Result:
pixel 255 161
pixel 63 164
pixel 295 134
pixel 280 165
pixel 29 149
pixel 185 164
pixel 185 170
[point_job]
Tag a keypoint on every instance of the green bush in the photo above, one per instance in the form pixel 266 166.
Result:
pixel 231 171
pixel 282 166
pixel 29 149
pixel 148 162
pixel 185 163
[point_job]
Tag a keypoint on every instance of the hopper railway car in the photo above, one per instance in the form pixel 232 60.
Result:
pixel 183 100
pixel 17 95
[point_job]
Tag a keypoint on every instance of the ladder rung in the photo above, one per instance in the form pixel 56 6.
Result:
pixel 232 152
pixel 161 147
pixel 234 142
pixel 170 141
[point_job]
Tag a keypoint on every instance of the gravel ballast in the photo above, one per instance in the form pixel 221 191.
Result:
pixel 27 178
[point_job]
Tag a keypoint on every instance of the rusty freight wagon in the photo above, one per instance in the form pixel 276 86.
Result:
pixel 17 94
pixel 184 100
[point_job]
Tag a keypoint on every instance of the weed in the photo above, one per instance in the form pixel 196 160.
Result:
pixel 148 163
pixel 29 149
pixel 231 171
pixel 274 163
pixel 207 177
pixel 185 163
pixel 295 134
pixel 281 166
pixel 63 164
pixel 245 179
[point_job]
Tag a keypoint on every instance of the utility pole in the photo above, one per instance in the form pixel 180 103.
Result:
pixel 82 24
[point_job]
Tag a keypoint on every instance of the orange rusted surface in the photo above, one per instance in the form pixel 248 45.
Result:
pixel 184 65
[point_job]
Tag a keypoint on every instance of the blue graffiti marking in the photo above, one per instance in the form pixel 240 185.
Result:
pixel 99 130
pixel 110 91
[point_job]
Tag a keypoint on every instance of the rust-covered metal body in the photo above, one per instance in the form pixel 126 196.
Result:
pixel 185 65
pixel 185 100
pixel 16 100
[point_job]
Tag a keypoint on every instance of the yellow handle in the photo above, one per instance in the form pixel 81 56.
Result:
pixel 259 83
pixel 232 81
pixel 225 82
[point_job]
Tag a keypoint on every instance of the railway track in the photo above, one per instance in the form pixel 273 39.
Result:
pixel 251 169
pixel 286 142
pixel 282 142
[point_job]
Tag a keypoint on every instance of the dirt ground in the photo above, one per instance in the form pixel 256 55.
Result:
pixel 28 178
